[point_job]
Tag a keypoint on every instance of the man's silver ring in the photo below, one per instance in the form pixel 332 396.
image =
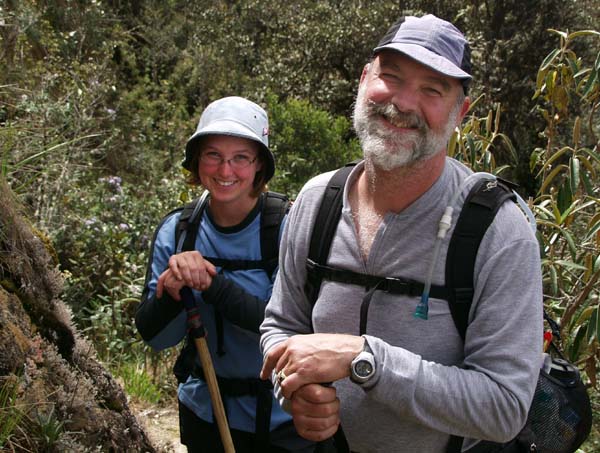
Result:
pixel 281 376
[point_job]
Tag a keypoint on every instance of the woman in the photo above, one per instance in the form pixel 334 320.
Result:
pixel 229 156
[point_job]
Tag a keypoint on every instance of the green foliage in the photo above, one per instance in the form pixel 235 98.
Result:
pixel 307 141
pixel 47 430
pixel 98 98
pixel 138 383
pixel 479 142
pixel 103 247
pixel 568 200
pixel 10 413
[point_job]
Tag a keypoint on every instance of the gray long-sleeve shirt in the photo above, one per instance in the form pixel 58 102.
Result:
pixel 429 384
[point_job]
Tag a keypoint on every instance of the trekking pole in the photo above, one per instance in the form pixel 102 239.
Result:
pixel 199 335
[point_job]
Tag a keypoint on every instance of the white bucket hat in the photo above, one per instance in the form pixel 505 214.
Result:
pixel 237 117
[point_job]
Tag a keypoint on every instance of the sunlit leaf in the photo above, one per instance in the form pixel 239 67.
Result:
pixel 579 33
pixel 592 231
pixel 555 171
pixel 594 155
pixel 556 155
pixel 553 279
pixel 589 268
pixel 576 131
pixel 591 81
pixel 570 265
pixel 574 174
pixel 488 121
pixel 497 123
pixel 550 80
pixel 549 59
pixel 588 165
pixel 452 144
pixel 534 158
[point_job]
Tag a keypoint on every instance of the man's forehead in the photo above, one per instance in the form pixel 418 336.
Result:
pixel 401 63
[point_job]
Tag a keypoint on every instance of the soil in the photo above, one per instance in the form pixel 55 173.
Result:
pixel 161 424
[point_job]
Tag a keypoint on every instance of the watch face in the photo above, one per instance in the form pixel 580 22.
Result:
pixel 363 368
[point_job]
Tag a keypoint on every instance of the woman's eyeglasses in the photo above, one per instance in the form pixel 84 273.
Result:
pixel 237 162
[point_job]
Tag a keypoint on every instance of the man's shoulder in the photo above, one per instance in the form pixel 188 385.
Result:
pixel 307 204
pixel 317 183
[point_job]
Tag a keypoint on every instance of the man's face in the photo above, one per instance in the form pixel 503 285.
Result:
pixel 405 112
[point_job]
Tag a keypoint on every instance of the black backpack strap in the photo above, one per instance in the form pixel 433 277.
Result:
pixel 262 390
pixel 275 207
pixel 393 285
pixel 324 228
pixel 330 211
pixel 478 212
pixel 189 222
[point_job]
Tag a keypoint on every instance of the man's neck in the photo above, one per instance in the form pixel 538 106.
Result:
pixel 393 191
pixel 378 192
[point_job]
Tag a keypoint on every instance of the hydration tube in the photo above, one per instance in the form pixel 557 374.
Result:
pixel 444 225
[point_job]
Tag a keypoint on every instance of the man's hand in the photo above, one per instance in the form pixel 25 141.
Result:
pixel 316 412
pixel 185 269
pixel 311 359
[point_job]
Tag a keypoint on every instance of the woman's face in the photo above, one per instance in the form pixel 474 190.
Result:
pixel 227 167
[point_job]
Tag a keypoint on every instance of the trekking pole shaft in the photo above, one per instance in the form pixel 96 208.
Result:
pixel 199 335
pixel 215 394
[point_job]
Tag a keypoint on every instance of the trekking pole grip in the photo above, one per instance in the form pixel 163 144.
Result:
pixel 199 335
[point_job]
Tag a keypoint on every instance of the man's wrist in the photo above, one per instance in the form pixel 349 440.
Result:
pixel 363 367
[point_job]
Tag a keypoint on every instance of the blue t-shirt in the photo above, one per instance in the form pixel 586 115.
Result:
pixel 242 358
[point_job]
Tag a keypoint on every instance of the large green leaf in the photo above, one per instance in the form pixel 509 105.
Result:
pixel 574 174
pixel 564 200
pixel 548 180
pixel 569 265
pixel 591 82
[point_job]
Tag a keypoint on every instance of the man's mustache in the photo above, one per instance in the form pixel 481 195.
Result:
pixel 395 116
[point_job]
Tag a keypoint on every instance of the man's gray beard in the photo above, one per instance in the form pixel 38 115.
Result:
pixel 388 150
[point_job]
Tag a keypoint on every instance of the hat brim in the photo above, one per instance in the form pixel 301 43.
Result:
pixel 232 129
pixel 427 58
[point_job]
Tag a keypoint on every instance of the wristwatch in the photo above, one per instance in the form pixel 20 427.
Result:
pixel 363 367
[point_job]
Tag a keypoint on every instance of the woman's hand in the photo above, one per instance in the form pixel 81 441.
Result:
pixel 185 269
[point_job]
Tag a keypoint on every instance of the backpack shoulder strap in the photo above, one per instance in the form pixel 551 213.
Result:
pixel 275 207
pixel 327 219
pixel 478 212
pixel 189 221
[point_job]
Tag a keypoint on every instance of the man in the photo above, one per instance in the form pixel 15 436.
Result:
pixel 426 383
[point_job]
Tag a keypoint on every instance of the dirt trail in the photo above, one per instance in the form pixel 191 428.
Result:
pixel 161 425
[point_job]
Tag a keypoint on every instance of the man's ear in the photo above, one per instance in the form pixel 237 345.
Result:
pixel 464 109
pixel 364 73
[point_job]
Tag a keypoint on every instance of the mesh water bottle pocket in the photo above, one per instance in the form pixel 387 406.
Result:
pixel 560 416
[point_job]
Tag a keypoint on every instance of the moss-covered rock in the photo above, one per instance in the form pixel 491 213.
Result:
pixel 56 394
